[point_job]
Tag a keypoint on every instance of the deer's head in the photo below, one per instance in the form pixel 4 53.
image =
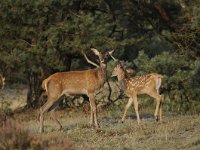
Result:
pixel 103 56
pixel 118 70
pixel 121 70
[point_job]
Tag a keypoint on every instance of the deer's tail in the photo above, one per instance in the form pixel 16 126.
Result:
pixel 158 80
pixel 44 84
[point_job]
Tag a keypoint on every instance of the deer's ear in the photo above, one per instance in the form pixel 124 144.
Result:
pixel 95 51
pixel 4 79
pixel 129 70
pixel 119 66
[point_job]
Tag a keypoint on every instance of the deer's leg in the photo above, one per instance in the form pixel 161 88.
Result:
pixel 135 101
pixel 41 100
pixel 52 112
pixel 158 107
pixel 53 116
pixel 160 110
pixel 93 110
pixel 130 101
pixel 43 109
pixel 91 116
pixel 158 97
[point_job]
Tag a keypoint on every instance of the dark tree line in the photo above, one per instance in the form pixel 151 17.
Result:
pixel 38 38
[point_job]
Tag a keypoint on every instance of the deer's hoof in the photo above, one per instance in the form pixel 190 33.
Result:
pixel 41 130
pixel 97 126
pixel 91 123
pixel 156 118
pixel 60 128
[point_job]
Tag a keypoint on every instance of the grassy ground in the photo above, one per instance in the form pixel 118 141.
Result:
pixel 176 132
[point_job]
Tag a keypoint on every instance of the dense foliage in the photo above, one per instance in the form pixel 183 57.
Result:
pixel 39 37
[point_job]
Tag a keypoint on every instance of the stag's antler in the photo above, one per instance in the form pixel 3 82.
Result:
pixel 112 55
pixel 89 61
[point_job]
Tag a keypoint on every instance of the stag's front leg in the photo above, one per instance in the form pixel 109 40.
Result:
pixel 91 111
pixel 91 116
pixel 160 110
pixel 93 119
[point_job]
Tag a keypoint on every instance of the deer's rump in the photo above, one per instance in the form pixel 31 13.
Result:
pixel 141 84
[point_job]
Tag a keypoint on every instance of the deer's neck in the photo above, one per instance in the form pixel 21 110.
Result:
pixel 122 80
pixel 101 73
pixel 121 76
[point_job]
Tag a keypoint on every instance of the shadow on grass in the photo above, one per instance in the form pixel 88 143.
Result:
pixel 104 122
pixel 131 116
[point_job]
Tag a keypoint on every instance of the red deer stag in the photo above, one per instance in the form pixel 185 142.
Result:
pixel 2 82
pixel 86 82
pixel 145 84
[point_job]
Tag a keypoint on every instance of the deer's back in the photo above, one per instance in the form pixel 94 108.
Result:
pixel 74 82
pixel 141 84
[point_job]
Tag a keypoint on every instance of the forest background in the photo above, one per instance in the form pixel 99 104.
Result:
pixel 41 37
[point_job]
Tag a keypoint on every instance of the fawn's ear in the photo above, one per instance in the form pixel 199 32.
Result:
pixel 95 51
pixel 129 70
pixel 119 66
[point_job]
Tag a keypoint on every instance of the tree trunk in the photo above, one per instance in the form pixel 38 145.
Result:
pixel 34 89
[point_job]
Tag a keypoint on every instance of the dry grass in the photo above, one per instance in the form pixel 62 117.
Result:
pixel 16 98
pixel 176 132
pixel 14 136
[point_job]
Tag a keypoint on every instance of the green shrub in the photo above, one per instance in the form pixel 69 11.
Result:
pixel 4 107
pixel 181 82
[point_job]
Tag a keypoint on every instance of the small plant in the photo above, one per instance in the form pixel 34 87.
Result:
pixel 13 136
pixel 4 107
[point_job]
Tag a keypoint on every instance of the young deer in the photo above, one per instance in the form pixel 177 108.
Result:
pixel 2 82
pixel 145 84
pixel 86 82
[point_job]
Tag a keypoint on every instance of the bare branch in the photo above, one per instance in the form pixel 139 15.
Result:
pixel 27 42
